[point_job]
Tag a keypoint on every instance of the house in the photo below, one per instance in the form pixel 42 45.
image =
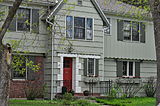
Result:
pixel 81 43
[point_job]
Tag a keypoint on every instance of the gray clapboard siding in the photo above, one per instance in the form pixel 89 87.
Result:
pixel 131 50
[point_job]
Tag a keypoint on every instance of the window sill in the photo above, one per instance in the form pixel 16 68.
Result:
pixel 129 80
pixel 18 79
pixel 127 41
pixel 92 79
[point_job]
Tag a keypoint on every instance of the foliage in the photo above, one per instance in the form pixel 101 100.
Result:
pixel 68 96
pixel 128 101
pixel 150 87
pixel 51 103
pixel 34 89
pixel 128 87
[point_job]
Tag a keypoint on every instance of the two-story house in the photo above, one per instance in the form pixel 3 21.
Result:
pixel 80 43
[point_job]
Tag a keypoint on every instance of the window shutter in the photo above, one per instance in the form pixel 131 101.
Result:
pixel 30 72
pixel 12 26
pixel 142 32
pixel 97 68
pixel 137 69
pixel 85 67
pixel 35 20
pixel 120 30
pixel 119 68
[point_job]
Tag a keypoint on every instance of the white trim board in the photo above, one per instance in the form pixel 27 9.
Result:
pixel 81 56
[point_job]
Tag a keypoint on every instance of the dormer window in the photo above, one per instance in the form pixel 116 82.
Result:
pixel 79 2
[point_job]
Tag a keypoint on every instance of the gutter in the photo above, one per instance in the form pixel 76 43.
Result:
pixel 47 20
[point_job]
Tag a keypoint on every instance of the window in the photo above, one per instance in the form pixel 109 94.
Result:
pixel 26 20
pixel 23 19
pixel 128 69
pixel 79 2
pixel 130 31
pixel 79 28
pixel 107 29
pixel 91 67
pixel 22 70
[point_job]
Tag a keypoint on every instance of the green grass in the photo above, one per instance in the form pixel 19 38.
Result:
pixel 51 103
pixel 128 101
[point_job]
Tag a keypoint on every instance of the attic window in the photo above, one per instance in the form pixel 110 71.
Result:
pixel 79 2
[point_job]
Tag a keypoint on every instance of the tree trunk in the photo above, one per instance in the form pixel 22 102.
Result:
pixel 4 77
pixel 155 9
pixel 5 56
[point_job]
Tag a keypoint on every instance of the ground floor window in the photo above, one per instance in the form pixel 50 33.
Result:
pixel 91 67
pixel 24 67
pixel 128 69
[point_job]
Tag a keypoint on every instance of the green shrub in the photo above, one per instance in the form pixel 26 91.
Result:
pixel 68 96
pixel 150 87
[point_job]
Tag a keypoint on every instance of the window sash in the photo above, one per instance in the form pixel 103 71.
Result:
pixel 128 69
pixel 131 31
pixel 79 28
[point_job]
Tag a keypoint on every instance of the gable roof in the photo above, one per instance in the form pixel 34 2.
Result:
pixel 94 2
pixel 116 7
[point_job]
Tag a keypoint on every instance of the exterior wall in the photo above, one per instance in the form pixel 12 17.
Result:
pixel 147 69
pixel 82 47
pixel 129 50
pixel 29 42
pixel 17 87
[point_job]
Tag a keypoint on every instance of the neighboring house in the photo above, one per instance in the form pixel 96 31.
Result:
pixel 89 42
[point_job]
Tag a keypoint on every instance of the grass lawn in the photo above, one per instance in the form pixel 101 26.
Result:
pixel 128 101
pixel 50 103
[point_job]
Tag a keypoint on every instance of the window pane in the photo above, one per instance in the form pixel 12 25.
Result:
pixel 69 26
pixel 90 66
pixel 23 19
pixel 135 31
pixel 79 28
pixel 89 29
pixel 19 67
pixel 124 68
pixel 127 30
pixel 130 68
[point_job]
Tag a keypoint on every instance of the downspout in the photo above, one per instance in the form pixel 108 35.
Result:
pixel 47 20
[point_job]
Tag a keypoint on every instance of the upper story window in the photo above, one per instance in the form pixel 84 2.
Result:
pixel 130 31
pixel 25 20
pixel 107 28
pixel 128 69
pixel 79 28
pixel 79 2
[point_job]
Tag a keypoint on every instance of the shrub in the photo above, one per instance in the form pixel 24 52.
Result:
pixel 34 89
pixel 68 96
pixel 150 87
pixel 86 93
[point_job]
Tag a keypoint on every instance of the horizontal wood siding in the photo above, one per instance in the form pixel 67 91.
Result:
pixel 129 50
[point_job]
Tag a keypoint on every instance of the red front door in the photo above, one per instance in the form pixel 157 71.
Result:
pixel 67 73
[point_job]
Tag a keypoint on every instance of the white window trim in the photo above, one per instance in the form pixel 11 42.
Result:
pixel 30 9
pixel 85 28
pixel 128 69
pixel 131 32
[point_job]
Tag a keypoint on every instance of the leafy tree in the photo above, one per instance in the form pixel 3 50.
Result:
pixel 152 6
pixel 5 55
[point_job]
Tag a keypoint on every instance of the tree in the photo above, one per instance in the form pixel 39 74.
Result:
pixel 154 8
pixel 5 56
